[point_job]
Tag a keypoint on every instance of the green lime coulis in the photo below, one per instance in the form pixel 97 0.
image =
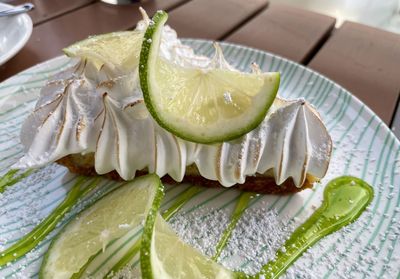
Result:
pixel 82 187
pixel 12 177
pixel 345 198
pixel 242 204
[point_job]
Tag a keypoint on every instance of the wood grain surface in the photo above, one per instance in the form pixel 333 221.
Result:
pixel 212 19
pixel 366 61
pixel 48 9
pixel 287 31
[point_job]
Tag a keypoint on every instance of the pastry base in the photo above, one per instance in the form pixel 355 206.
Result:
pixel 259 183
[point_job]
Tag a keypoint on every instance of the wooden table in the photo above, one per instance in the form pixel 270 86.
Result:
pixel 362 59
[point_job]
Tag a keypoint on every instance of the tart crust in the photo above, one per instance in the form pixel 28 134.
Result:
pixel 259 183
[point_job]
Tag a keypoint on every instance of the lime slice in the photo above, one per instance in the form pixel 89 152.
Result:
pixel 204 105
pixel 108 219
pixel 164 255
pixel 118 49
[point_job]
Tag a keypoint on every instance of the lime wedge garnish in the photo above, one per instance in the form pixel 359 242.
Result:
pixel 201 104
pixel 120 49
pixel 108 219
pixel 164 255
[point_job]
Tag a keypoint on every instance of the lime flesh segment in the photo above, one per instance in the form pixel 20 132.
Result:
pixel 204 105
pixel 120 49
pixel 164 255
pixel 109 218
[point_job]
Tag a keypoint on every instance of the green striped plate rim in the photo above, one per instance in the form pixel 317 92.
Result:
pixel 363 147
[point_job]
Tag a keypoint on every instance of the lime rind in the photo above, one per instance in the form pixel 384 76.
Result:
pixel 179 259
pixel 116 213
pixel 154 27
pixel 145 260
pixel 175 122
pixel 188 262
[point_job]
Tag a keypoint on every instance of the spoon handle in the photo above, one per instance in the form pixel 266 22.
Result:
pixel 17 9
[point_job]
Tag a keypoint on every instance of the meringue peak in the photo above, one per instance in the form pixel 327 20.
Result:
pixel 86 109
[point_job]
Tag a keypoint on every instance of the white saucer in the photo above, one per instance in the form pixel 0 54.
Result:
pixel 14 33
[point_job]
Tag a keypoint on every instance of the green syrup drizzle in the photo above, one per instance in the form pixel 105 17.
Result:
pixel 345 198
pixel 30 240
pixel 10 178
pixel 241 206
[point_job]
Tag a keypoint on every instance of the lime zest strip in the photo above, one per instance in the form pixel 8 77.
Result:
pixel 30 240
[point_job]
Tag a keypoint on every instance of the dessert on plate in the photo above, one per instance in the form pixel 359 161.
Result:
pixel 93 119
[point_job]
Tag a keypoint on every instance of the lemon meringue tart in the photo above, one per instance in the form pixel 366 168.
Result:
pixel 92 118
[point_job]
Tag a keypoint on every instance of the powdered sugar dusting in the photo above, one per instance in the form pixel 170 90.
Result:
pixel 358 148
pixel 201 229
pixel 27 203
pixel 255 240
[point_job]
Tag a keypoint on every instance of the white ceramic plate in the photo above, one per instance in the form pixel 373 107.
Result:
pixel 14 33
pixel 363 147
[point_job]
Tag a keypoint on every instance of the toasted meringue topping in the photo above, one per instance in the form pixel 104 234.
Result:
pixel 89 110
